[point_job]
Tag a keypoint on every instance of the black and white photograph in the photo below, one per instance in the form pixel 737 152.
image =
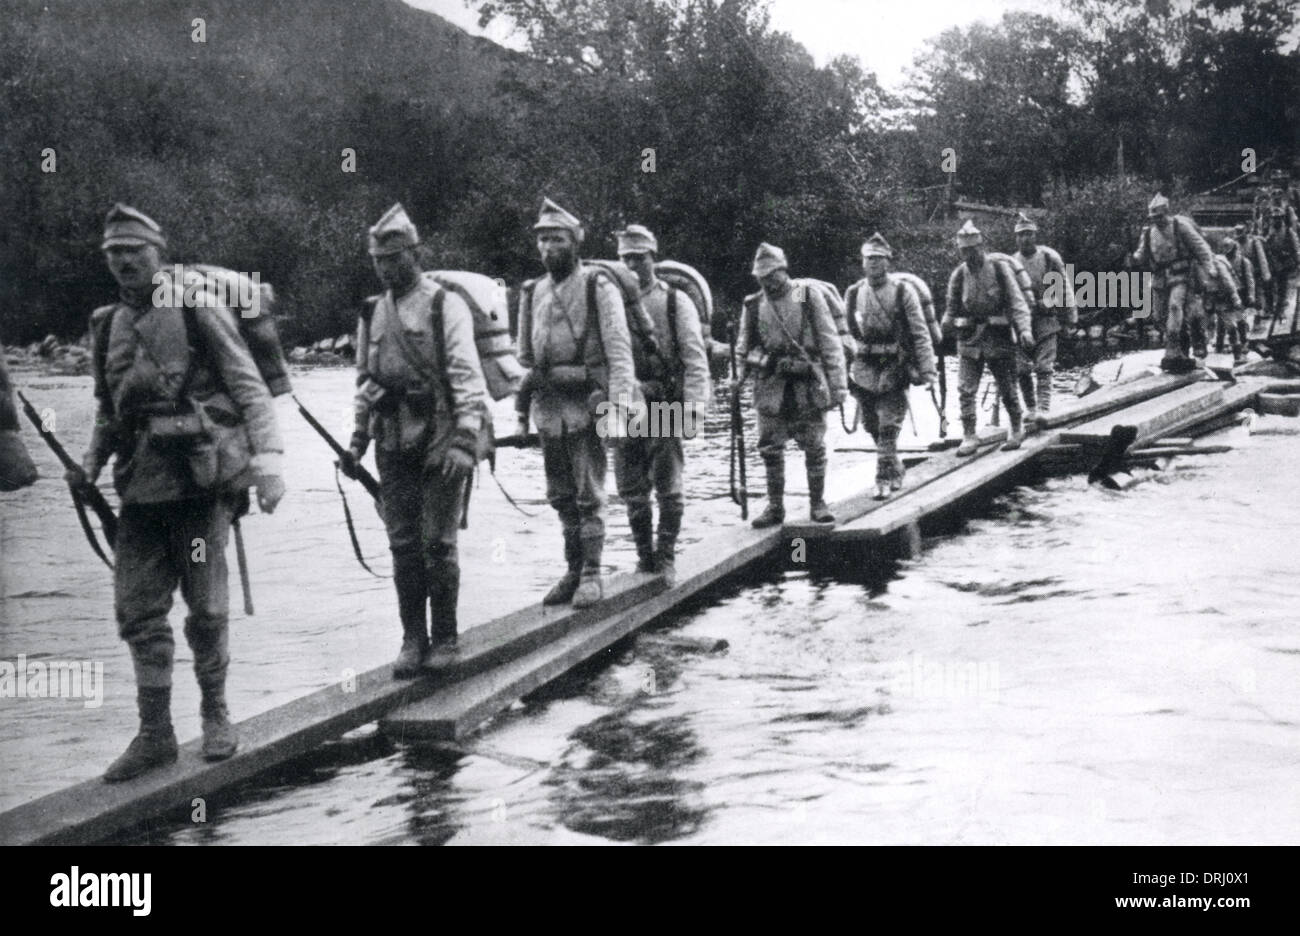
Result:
pixel 651 422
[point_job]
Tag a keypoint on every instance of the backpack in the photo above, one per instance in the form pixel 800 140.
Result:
pixel 834 302
pixel 927 303
pixel 250 299
pixel 488 305
pixel 1021 277
pixel 688 280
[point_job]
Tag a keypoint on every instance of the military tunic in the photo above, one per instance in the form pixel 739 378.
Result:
pixel 1180 260
pixel 1283 249
pixel 986 309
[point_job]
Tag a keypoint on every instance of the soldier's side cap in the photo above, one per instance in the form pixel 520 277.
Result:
pixel 968 235
pixel 393 233
pixel 554 218
pixel 767 260
pixel 124 226
pixel 876 246
pixel 1025 223
pixel 637 238
pixel 1158 205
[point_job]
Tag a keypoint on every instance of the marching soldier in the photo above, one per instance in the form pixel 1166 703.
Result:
pixel 1283 249
pixel 789 341
pixel 1251 246
pixel 989 315
pixel 1243 273
pixel 573 334
pixel 1180 261
pixel 643 463
pixel 1039 260
pixel 422 398
pixel 1224 302
pixel 893 350
pixel 189 419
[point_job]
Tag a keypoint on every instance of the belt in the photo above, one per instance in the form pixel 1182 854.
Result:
pixel 971 323
pixel 877 350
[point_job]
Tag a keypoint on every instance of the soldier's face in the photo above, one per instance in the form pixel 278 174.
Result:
pixel 775 283
pixel 1025 241
pixel 558 250
pixel 972 255
pixel 1160 218
pixel 397 271
pixel 643 265
pixel 875 267
pixel 133 266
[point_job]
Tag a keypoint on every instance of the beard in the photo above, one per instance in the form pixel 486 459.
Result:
pixel 560 263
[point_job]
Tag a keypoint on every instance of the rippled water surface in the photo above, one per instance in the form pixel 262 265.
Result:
pixel 1072 665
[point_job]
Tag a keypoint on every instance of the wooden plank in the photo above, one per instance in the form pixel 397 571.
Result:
pixel 1151 418
pixel 460 707
pixel 1114 396
pixel 1279 404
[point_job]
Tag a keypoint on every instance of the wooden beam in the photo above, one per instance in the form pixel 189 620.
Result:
pixel 1152 418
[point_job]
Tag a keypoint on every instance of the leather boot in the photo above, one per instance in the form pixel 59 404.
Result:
pixel 563 590
pixel 590 586
pixel 1044 399
pixel 412 596
pixel 219 737
pixel 1027 391
pixel 887 455
pixel 643 532
pixel 1199 342
pixel 818 512
pixel 1015 432
pixel 155 745
pixel 970 442
pixel 444 595
pixel 774 513
pixel 670 524
pixel 1243 332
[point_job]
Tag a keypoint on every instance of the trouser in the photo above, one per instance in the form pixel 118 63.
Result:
pixel 159 546
pixel 807 430
pixel 645 464
pixel 575 466
pixel 882 417
pixel 1284 289
pixel 1229 319
pixel 1040 362
pixel 969 372
pixel 1178 304
pixel 422 514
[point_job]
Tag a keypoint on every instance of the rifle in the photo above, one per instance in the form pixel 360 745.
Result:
pixel 365 477
pixel 941 404
pixel 107 519
pixel 739 495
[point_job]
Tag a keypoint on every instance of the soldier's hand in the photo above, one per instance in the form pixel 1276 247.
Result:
pixel 457 465
pixel 270 488
pixel 349 461
pixel 521 425
pixel 839 396
pixel 77 478
pixel 1027 341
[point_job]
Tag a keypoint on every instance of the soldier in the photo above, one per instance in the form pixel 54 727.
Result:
pixel 1224 301
pixel 1243 273
pixel 1283 261
pixel 989 315
pixel 573 334
pixel 159 368
pixel 789 340
pixel 422 398
pixel 1252 247
pixel 1180 261
pixel 645 462
pixel 1039 260
pixel 894 349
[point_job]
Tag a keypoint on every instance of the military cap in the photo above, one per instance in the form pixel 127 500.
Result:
pixel 1239 229
pixel 552 217
pixel 767 260
pixel 637 238
pixel 876 246
pixel 969 235
pixel 393 233
pixel 1025 223
pixel 1159 205
pixel 1277 212
pixel 126 227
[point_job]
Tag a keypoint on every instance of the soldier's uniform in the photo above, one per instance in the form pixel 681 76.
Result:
pixel 1283 249
pixel 653 462
pixel 148 362
pixel 1180 261
pixel 1251 246
pixel 785 340
pixel 1041 363
pixel 16 467
pixel 1223 300
pixel 893 350
pixel 1243 272
pixel 580 356
pixel 987 311
pixel 421 393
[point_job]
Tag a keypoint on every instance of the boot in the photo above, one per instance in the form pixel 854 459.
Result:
pixel 1016 432
pixel 818 512
pixel 670 524
pixel 1243 332
pixel 642 524
pixel 1219 337
pixel 1027 391
pixel 1044 399
pixel 562 592
pixel 219 737
pixel 444 595
pixel 590 587
pixel 774 513
pixel 412 595
pixel 889 466
pixel 155 745
pixel 1199 341
pixel 970 442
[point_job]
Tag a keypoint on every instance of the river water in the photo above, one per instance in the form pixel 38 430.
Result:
pixel 1072 665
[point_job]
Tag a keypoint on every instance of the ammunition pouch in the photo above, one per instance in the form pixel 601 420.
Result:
pixel 874 350
pixel 761 361
pixel 568 376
